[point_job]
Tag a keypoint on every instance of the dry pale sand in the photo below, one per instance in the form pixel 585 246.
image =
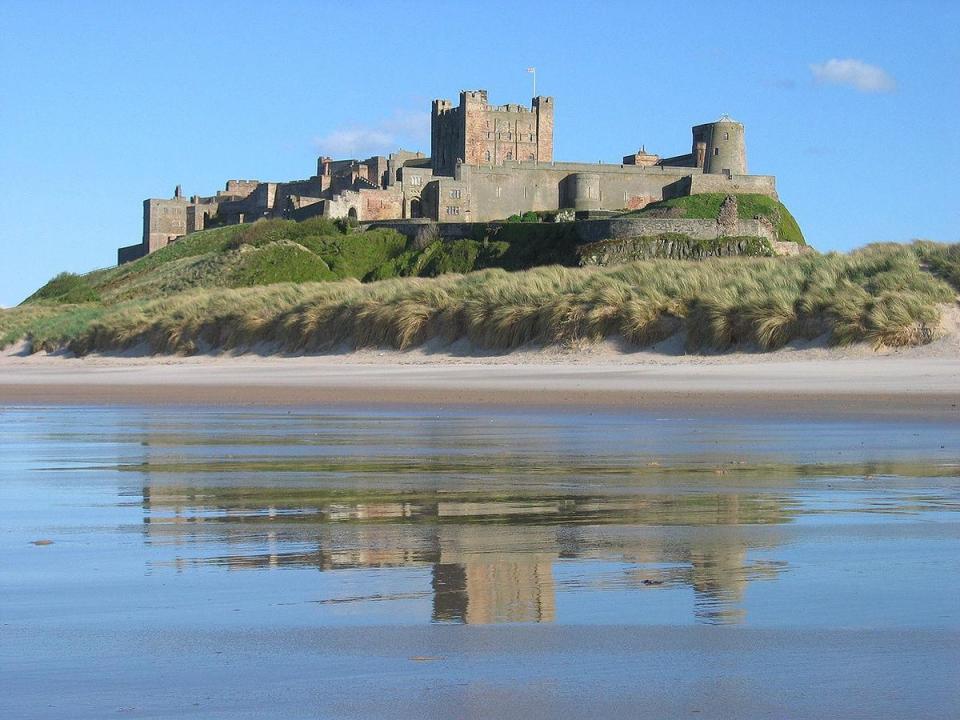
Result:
pixel 808 381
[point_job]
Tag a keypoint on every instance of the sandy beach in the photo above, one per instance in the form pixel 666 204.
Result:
pixel 810 381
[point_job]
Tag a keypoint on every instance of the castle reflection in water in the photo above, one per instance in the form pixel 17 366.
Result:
pixel 492 559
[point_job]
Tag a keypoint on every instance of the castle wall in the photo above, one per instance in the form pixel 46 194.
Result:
pixel 590 231
pixel 377 170
pixel 130 253
pixel 627 227
pixel 515 188
pixel 398 160
pixel 314 187
pixel 760 184
pixel 365 205
pixel 413 181
pixel 163 220
pixel 240 188
pixel 446 200
pixel 199 213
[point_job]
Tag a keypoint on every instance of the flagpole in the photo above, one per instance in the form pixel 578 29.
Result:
pixel 533 71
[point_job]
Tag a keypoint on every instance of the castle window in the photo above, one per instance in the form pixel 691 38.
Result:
pixel 509 156
pixel 453 210
pixel 498 191
pixel 716 151
pixel 415 180
pixel 531 156
pixel 487 156
pixel 455 194
pixel 726 136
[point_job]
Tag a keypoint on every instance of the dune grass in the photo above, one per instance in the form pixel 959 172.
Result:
pixel 880 294
pixel 941 259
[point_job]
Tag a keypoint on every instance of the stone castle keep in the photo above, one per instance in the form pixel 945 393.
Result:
pixel 486 163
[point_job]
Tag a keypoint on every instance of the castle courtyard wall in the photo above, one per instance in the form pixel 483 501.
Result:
pixel 496 192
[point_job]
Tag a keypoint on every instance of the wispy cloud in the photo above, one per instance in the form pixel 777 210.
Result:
pixel 855 73
pixel 403 129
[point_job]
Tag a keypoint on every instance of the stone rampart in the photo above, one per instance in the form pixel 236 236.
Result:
pixel 130 253
pixel 591 231
pixel 629 227
pixel 708 183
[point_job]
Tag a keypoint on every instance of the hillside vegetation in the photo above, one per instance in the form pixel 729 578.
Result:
pixel 885 294
pixel 273 251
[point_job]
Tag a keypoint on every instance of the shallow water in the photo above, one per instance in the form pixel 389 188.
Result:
pixel 473 563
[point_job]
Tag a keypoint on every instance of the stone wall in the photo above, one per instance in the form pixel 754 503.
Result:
pixel 239 188
pixel 591 231
pixel 497 192
pixel 163 220
pixel 314 187
pixel 365 206
pixel 629 227
pixel 199 214
pixel 617 252
pixel 708 183
pixel 130 253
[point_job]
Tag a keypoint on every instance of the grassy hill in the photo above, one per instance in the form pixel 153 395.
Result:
pixel 315 250
pixel 215 290
pixel 316 285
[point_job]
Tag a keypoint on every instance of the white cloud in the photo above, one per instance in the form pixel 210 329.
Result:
pixel 855 73
pixel 410 130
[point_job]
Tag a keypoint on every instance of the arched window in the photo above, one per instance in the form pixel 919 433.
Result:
pixel 509 155
pixel 488 156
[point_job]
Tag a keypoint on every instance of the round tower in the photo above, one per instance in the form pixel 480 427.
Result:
pixel 583 191
pixel 725 151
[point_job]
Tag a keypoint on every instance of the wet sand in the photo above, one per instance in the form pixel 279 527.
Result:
pixel 293 562
pixel 892 387
pixel 526 672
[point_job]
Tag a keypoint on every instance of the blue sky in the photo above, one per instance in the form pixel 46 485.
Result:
pixel 102 104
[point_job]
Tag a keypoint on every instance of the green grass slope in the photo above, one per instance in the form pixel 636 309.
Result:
pixel 885 294
pixel 276 251
pixel 707 205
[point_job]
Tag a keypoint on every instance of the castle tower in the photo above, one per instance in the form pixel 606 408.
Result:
pixel 543 107
pixel 722 147
pixel 478 133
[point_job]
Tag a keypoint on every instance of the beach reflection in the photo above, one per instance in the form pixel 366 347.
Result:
pixel 491 559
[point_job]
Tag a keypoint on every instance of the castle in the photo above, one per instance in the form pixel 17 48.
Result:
pixel 486 163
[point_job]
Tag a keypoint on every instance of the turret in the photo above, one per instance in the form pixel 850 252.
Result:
pixel 722 147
